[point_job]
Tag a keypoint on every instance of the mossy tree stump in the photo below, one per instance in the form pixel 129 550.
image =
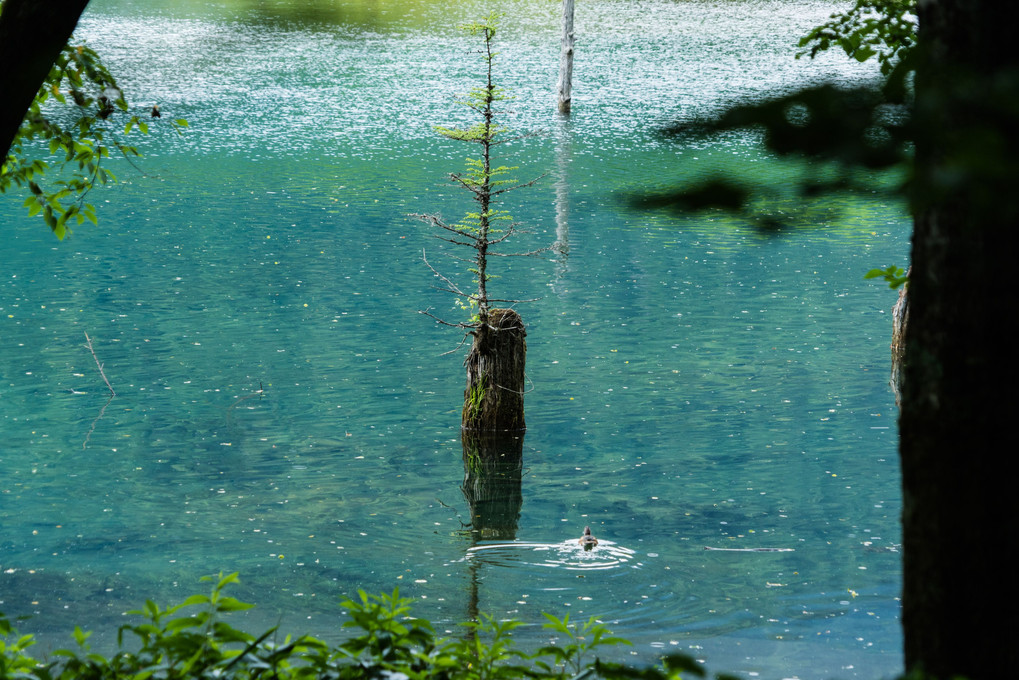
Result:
pixel 494 396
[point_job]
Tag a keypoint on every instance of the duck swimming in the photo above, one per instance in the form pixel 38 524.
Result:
pixel 587 540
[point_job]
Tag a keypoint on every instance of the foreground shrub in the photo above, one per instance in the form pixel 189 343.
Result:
pixel 192 640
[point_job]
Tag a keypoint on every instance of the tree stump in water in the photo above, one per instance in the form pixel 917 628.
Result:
pixel 494 396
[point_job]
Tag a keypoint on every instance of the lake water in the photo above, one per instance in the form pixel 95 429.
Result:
pixel 284 411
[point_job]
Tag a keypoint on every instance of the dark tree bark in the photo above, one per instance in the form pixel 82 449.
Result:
pixel 959 383
pixel 494 396
pixel 32 33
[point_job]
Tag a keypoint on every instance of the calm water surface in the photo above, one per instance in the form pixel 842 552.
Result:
pixel 283 410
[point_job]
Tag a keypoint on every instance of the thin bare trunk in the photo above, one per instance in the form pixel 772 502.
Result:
pixel 565 84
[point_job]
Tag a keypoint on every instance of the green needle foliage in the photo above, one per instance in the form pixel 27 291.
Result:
pixel 487 227
pixel 74 123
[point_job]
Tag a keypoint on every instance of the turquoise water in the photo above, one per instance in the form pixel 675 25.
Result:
pixel 282 409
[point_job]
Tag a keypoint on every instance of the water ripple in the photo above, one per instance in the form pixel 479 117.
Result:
pixel 566 555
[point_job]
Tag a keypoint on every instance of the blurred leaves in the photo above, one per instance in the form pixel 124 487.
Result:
pixel 851 138
pixel 885 29
pixel 67 135
pixel 895 276
pixel 192 640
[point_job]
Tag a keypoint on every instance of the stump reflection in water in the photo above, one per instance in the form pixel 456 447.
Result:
pixel 493 465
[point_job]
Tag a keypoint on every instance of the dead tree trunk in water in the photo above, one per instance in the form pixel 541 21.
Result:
pixel 565 83
pixel 493 468
pixel 494 396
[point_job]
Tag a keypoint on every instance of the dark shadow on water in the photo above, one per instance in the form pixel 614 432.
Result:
pixel 493 467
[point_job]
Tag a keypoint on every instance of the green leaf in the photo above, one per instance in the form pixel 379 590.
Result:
pixel 196 599
pixel 862 54
pixel 895 276
pixel 560 625
pixel 81 636
pixel 231 604
pixel 683 663
pixel 185 622
pixel 224 581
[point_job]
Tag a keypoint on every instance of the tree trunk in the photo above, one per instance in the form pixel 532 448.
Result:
pixel 900 321
pixel 494 397
pixel 565 83
pixel 32 34
pixel 959 386
pixel 959 497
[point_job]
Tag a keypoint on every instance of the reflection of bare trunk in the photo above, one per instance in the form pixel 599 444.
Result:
pixel 494 396
pixel 564 155
pixel 566 60
pixel 900 319
pixel 493 465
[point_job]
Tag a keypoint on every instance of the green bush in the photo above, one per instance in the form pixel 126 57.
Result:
pixel 192 640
